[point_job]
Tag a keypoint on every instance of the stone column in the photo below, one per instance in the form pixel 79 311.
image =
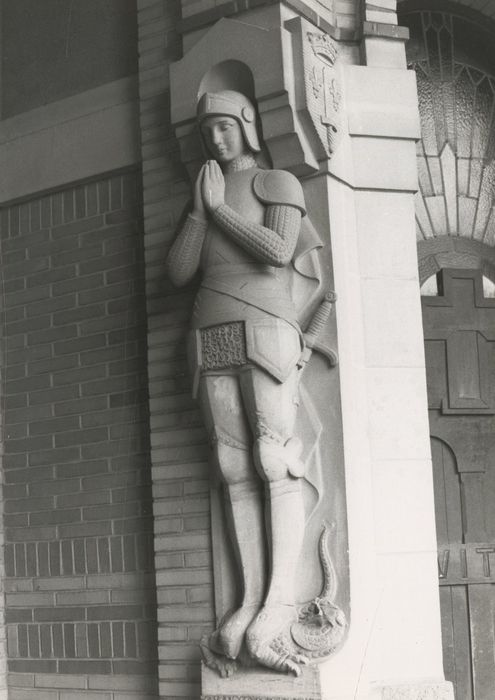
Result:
pixel 359 191
pixel 394 646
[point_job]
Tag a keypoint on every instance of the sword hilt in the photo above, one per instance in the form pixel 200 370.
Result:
pixel 319 319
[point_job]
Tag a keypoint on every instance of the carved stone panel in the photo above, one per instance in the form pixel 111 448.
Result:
pixel 323 93
pixel 319 95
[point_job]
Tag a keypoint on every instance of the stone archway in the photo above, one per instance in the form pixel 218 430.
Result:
pixel 487 10
pixel 451 50
pixel 455 252
pixel 452 54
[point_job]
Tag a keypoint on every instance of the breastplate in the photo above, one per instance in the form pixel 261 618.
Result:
pixel 235 287
pixel 220 249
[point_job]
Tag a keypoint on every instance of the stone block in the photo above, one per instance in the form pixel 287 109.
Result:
pixel 25 694
pixel 405 640
pixel 386 235
pixel 390 5
pixel 403 506
pixel 384 164
pixel 398 420
pixel 247 684
pixel 381 102
pixel 179 690
pixel 379 15
pixel 21 680
pixel 118 683
pixel 53 681
pixel 382 52
pixel 389 342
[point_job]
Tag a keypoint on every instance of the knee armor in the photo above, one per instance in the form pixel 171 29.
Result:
pixel 232 460
pixel 277 460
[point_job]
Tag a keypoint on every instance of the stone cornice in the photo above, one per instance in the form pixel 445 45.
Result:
pixel 207 17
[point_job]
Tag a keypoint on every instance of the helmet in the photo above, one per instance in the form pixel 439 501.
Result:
pixel 231 104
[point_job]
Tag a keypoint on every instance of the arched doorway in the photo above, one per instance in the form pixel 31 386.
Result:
pixel 453 53
pixel 459 327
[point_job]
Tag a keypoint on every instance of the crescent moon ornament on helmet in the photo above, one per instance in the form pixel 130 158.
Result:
pixel 231 103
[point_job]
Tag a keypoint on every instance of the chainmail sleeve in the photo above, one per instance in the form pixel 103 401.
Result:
pixel 272 244
pixel 183 258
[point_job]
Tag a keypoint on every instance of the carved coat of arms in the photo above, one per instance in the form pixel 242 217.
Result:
pixel 323 95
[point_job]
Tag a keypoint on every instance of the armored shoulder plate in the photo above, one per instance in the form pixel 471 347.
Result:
pixel 279 187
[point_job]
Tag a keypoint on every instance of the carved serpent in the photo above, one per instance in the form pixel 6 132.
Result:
pixel 319 629
pixel 322 624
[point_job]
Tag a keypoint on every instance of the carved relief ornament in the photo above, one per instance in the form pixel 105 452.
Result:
pixel 322 90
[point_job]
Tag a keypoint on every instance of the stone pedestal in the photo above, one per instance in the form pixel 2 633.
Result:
pixel 259 684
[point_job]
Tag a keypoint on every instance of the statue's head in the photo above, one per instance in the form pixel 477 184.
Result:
pixel 227 112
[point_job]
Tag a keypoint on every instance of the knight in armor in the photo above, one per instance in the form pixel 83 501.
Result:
pixel 243 235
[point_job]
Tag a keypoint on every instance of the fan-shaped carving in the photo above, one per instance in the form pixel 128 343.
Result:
pixel 456 155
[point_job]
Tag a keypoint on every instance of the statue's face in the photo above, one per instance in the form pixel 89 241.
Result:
pixel 223 138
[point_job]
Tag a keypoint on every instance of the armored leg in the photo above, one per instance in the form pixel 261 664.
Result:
pixel 230 436
pixel 271 408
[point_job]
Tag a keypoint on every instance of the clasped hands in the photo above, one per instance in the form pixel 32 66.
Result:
pixel 209 189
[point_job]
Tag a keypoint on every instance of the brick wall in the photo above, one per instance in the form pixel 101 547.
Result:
pixel 178 441
pixel 179 453
pixel 80 599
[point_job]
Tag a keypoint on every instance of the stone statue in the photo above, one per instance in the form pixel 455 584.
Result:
pixel 247 350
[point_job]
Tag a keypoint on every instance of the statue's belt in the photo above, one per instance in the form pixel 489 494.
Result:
pixel 275 306
pixel 269 343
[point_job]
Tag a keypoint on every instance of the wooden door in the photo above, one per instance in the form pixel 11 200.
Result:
pixel 459 327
